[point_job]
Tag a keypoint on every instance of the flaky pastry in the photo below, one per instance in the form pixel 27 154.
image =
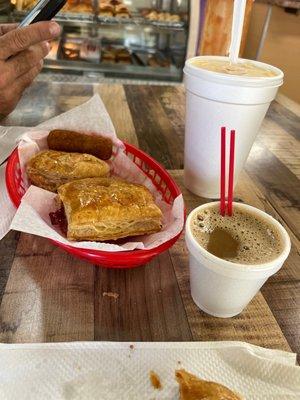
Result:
pixel 101 209
pixel 193 388
pixel 50 169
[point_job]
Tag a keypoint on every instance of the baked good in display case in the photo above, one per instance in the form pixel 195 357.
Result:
pixel 158 61
pixel 114 55
pixel 108 55
pixel 78 6
pixel 113 8
pixel 28 4
pixel 106 10
pixel 160 16
pixel 75 48
pixel 71 50
pixel 152 15
pixel 54 45
pixel 121 11
pixel 174 18
pixel 123 56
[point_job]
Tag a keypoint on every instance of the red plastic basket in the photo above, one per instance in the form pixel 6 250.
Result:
pixel 125 259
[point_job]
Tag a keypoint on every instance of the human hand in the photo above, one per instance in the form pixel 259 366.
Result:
pixel 22 52
pixel 4 28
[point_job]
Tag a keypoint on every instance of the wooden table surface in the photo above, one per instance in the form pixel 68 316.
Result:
pixel 48 296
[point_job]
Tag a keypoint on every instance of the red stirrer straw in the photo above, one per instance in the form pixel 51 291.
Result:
pixel 223 171
pixel 231 173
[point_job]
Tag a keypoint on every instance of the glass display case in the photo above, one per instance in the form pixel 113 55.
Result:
pixel 136 39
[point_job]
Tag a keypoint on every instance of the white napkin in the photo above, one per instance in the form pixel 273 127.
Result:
pixel 120 371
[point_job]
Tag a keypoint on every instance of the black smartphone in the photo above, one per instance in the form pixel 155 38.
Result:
pixel 44 10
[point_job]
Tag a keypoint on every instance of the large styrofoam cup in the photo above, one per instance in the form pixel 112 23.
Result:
pixel 214 100
pixel 222 288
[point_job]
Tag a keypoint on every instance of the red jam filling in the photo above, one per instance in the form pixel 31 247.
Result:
pixel 58 217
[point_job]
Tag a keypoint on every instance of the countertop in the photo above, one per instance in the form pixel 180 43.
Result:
pixel 46 295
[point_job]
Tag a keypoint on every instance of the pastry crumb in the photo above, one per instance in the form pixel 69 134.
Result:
pixel 155 380
pixel 111 294
pixel 192 387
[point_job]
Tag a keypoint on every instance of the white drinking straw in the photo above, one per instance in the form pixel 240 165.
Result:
pixel 237 29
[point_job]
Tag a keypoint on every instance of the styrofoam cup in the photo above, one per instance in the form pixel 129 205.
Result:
pixel 214 100
pixel 222 288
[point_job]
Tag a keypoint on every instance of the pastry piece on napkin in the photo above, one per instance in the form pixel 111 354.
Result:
pixel 193 388
pixel 101 209
pixel 50 169
pixel 75 142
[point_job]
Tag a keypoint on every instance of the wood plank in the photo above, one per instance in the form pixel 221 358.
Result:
pixel 8 247
pixel 288 103
pixel 172 99
pixel 114 98
pixel 277 183
pixel 35 98
pixel 44 100
pixel 285 118
pixel 257 323
pixel 48 296
pixel 283 145
pixel 283 298
pixel 153 128
pixel 149 306
pixel 69 95
pixel 51 296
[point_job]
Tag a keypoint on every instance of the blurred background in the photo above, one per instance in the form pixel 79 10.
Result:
pixel 149 40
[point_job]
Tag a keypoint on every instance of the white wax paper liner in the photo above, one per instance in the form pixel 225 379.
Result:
pixel 88 117
pixel 7 210
pixel 116 371
pixel 33 214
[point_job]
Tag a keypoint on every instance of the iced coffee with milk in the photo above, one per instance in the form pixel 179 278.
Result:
pixel 221 93
pixel 226 67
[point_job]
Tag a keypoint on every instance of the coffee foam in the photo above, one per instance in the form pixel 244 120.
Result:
pixel 259 241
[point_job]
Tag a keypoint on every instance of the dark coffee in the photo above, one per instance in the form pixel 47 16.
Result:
pixel 244 237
